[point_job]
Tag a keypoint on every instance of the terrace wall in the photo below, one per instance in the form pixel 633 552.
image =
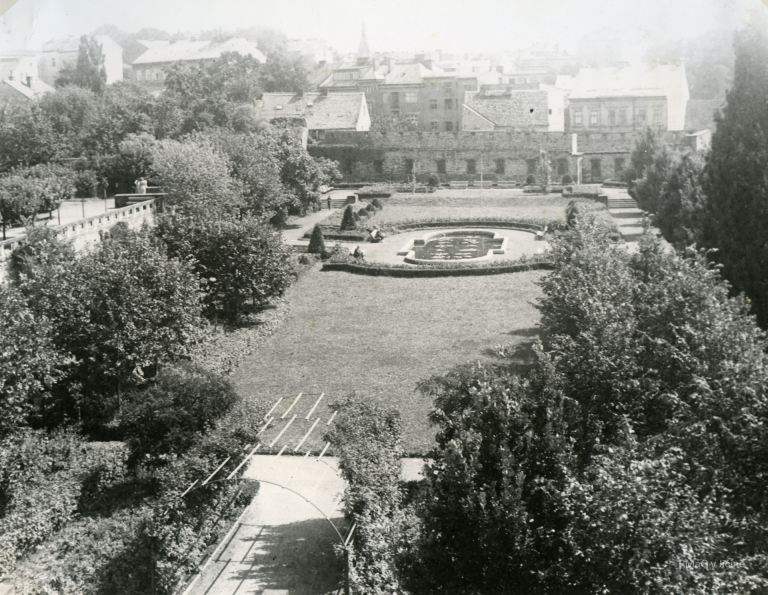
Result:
pixel 380 157
pixel 84 233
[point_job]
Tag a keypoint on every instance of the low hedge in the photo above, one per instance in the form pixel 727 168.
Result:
pixel 439 269
pixel 419 272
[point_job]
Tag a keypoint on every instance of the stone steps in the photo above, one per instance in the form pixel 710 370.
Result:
pixel 621 203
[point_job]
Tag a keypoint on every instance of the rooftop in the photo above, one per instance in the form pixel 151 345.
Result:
pixel 520 109
pixel 334 111
pixel 198 50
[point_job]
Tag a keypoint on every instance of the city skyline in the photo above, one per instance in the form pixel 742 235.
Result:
pixel 488 26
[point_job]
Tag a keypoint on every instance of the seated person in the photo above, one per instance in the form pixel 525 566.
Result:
pixel 358 253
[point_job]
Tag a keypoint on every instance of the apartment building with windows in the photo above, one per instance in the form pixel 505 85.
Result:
pixel 149 69
pixel 628 99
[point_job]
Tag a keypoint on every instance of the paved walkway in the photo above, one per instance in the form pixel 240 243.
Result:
pixel 282 542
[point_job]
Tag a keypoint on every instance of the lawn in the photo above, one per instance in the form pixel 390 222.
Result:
pixel 378 337
pixel 465 204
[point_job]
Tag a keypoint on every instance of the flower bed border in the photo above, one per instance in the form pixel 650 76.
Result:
pixel 401 271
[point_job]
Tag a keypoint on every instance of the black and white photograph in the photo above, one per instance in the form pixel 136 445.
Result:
pixel 384 297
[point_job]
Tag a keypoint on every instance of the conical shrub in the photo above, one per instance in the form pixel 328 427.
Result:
pixel 316 241
pixel 348 220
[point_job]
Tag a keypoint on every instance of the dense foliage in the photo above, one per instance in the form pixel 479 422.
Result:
pixel 120 311
pixel 240 259
pixel 367 440
pixel 735 183
pixel 88 71
pixel 167 417
pixel 628 457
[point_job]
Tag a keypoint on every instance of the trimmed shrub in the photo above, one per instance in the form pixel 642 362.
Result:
pixel 370 208
pixel 434 180
pixel 169 416
pixel 567 179
pixel 317 241
pixel 363 213
pixel 86 184
pixel 377 204
pixel 530 179
pixel 348 220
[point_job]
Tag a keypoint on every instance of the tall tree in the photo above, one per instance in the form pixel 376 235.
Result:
pixel 89 71
pixel 735 181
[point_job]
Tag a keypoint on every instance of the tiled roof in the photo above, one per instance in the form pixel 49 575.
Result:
pixel 518 109
pixel 700 114
pixel 410 74
pixel 197 50
pixel 335 111
pixel 38 88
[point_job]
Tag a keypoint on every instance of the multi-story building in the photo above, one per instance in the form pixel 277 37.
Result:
pixel 628 99
pixel 19 80
pixel 150 68
pixel 59 52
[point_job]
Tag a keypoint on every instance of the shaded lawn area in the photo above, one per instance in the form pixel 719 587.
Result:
pixel 378 337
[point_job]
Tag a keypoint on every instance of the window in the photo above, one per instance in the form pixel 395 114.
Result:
pixel 441 166
pixel 500 166
pixel 470 87
pixel 596 173
pixel 396 113
pixel 448 104
pixel 385 98
pixel 411 97
pixel 657 117
pixel 593 117
pixel 412 119
pixel 447 88
pixel 395 99
pixel 577 117
pixel 449 126
pixel 533 165
pixel 139 75
pixel 550 112
pixel 612 117
pixel 409 166
pixel 640 118
pixel 618 165
pixel 433 104
pixel 434 126
pixel 342 76
pixel 471 166
pixel 622 117
pixel 562 167
pixel 378 166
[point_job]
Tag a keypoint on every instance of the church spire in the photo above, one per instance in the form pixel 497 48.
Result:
pixel 363 53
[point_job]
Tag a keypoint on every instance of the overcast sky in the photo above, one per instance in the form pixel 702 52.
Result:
pixel 455 25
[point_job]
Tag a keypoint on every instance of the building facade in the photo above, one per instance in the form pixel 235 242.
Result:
pixel 59 52
pixel 150 68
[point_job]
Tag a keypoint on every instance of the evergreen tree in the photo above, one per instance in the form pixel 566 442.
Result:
pixel 316 242
pixel 348 220
pixel 88 72
pixel 735 179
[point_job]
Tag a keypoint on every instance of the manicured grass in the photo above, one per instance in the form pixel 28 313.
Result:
pixel 379 337
pixel 500 204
